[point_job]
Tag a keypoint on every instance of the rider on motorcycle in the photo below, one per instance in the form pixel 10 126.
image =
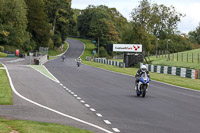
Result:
pixel 142 70
pixel 63 57
pixel 79 60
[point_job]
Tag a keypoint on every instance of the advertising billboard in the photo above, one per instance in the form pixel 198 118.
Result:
pixel 127 47
pixel 17 52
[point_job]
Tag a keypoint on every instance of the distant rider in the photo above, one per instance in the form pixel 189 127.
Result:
pixel 63 57
pixel 139 73
pixel 79 60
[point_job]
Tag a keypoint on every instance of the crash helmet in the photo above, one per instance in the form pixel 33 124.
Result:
pixel 143 68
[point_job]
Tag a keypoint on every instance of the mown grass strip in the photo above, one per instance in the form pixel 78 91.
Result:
pixel 89 47
pixel 170 79
pixel 56 52
pixel 3 54
pixel 42 70
pixel 185 63
pixel 7 126
pixel 6 97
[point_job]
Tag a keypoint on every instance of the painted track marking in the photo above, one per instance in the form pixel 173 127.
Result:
pixel 50 109
pixel 107 122
pixel 99 115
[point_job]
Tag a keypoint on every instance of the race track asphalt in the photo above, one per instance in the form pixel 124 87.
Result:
pixel 165 109
pixel 40 89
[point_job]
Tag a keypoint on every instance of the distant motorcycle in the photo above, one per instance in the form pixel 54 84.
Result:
pixel 143 85
pixel 78 61
pixel 78 64
pixel 63 58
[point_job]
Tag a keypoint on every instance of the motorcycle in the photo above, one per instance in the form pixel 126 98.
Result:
pixel 63 58
pixel 143 85
pixel 78 64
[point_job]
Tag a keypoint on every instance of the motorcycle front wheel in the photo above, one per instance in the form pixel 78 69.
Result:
pixel 144 90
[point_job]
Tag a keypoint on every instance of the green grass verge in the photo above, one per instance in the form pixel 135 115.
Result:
pixel 89 46
pixel 171 79
pixel 186 63
pixel 41 69
pixel 1 65
pixel 9 126
pixel 5 89
pixel 56 52
pixel 3 54
pixel 52 57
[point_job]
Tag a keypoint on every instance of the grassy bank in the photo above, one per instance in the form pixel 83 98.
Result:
pixel 89 46
pixel 174 80
pixel 181 59
pixel 3 55
pixel 56 52
pixel 19 126
pixel 5 89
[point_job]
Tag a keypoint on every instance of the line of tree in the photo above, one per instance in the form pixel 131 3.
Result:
pixel 30 24
pixel 151 25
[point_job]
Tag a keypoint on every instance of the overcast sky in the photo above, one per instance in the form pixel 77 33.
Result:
pixel 189 7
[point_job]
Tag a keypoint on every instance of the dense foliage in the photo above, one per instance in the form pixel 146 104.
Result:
pixel 153 25
pixel 38 23
pixel 30 24
pixel 100 24
pixel 194 36
pixel 13 24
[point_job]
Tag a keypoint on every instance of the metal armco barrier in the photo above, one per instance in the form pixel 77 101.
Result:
pixel 109 62
pixel 182 72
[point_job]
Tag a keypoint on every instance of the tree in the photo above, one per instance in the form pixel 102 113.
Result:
pixel 141 17
pixel 104 30
pixel 38 23
pixel 60 15
pixel 164 21
pixel 150 22
pixel 13 24
pixel 194 36
pixel 95 22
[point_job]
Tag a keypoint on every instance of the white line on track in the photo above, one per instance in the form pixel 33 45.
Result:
pixel 16 60
pixel 99 115
pixel 82 101
pixel 93 110
pixel 55 80
pixel 78 98
pixel 86 105
pixel 50 109
pixel 116 130
pixel 107 122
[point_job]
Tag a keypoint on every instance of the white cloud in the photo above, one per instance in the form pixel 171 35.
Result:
pixel 192 18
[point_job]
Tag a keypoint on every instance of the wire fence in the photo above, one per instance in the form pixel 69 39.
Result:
pixel 188 57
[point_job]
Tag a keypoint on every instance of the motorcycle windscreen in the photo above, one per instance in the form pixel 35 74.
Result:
pixel 144 76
